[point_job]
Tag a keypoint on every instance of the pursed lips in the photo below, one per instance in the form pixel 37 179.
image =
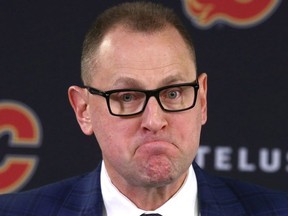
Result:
pixel 155 145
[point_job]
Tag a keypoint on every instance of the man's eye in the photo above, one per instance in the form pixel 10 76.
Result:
pixel 173 94
pixel 127 97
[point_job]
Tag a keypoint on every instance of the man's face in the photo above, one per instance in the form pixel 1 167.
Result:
pixel 156 147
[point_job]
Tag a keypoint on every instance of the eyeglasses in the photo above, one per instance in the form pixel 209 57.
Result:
pixel 129 102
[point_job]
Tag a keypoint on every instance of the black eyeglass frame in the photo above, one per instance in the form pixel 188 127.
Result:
pixel 149 93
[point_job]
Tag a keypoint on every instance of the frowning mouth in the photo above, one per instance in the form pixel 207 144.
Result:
pixel 155 147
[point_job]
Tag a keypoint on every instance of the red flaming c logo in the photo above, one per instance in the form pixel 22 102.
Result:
pixel 24 131
pixel 238 13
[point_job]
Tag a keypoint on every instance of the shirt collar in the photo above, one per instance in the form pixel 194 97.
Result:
pixel 115 203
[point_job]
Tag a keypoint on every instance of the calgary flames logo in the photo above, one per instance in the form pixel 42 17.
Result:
pixel 24 131
pixel 238 13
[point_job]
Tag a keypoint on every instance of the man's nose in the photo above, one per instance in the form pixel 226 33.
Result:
pixel 153 116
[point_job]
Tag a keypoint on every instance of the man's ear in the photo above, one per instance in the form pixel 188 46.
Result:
pixel 202 79
pixel 79 101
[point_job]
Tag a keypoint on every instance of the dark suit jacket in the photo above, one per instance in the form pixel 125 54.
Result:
pixel 82 196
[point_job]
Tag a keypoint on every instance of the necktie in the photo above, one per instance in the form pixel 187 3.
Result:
pixel 151 215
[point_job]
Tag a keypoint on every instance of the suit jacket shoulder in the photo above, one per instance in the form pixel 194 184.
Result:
pixel 72 197
pixel 225 196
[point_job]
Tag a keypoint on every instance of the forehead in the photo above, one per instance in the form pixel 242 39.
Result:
pixel 143 57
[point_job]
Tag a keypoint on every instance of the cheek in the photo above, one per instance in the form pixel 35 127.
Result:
pixel 190 129
pixel 113 134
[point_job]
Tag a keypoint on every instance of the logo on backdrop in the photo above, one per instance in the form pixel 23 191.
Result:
pixel 266 160
pixel 236 13
pixel 20 129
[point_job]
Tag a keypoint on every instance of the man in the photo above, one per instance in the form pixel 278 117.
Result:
pixel 146 105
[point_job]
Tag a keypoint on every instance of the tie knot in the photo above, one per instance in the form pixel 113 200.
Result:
pixel 151 214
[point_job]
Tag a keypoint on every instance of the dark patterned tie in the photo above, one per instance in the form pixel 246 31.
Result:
pixel 151 214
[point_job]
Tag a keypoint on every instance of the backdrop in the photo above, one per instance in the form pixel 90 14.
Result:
pixel 242 46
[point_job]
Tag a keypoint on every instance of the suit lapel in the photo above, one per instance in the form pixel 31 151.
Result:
pixel 206 195
pixel 85 198
pixel 214 195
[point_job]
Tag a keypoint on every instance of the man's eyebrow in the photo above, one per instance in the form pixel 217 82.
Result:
pixel 127 82
pixel 178 78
